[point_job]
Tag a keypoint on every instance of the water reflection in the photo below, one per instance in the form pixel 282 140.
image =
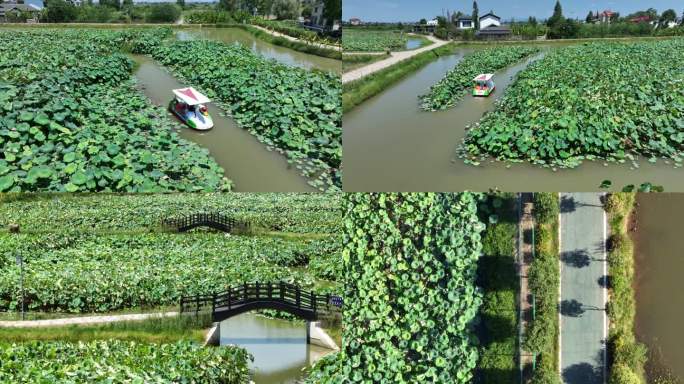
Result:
pixel 281 54
pixel 279 347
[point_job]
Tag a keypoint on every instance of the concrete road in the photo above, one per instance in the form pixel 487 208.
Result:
pixel 583 320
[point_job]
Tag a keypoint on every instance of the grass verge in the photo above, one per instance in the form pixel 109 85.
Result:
pixel 497 277
pixel 358 91
pixel 627 356
pixel 156 330
pixel 541 336
pixel 283 42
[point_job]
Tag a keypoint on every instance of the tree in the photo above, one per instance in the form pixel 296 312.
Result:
pixel 590 17
pixel 116 4
pixel 228 5
pixel 557 15
pixel 286 9
pixel 163 13
pixel 60 11
pixel 422 22
pixel 476 16
pixel 181 3
pixel 332 11
pixel 667 17
pixel 441 21
pixel 127 5
pixel 532 21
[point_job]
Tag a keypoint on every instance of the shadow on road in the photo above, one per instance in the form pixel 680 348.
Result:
pixel 583 373
pixel 579 258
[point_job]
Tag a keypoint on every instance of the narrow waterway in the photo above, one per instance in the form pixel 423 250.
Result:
pixel 278 346
pixel 281 54
pixel 659 270
pixel 246 161
pixel 391 145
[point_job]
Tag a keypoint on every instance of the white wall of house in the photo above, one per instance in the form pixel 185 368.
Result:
pixel 488 20
pixel 465 24
pixel 433 22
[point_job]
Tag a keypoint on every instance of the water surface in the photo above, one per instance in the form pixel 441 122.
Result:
pixel 659 269
pixel 278 346
pixel 391 145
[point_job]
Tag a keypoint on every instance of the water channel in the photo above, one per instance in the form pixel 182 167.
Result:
pixel 391 145
pixel 246 161
pixel 659 270
pixel 278 346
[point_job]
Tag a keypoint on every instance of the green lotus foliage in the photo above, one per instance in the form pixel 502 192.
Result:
pixel 410 298
pixel 606 100
pixel 80 254
pixel 303 213
pixel 71 119
pixel 373 41
pixel 122 362
pixel 99 273
pixel 451 89
pixel 294 110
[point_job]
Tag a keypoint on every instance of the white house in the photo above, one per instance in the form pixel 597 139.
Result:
pixel 465 23
pixel 489 19
pixel 433 22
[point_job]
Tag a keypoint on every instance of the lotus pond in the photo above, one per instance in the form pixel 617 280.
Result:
pixel 373 41
pixel 72 121
pixel 115 361
pixel 611 101
pixel 117 265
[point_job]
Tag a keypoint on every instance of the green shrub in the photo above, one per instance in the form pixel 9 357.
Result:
pixel 163 13
pixel 546 207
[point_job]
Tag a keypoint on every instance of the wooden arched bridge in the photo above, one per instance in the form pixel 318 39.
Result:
pixel 213 220
pixel 247 297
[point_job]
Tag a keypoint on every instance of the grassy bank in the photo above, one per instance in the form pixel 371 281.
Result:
pixel 283 42
pixel 356 92
pixel 155 330
pixel 628 356
pixel 351 62
pixel 541 337
pixel 499 282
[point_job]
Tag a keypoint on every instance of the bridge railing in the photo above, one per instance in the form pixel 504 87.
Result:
pixel 281 292
pixel 210 219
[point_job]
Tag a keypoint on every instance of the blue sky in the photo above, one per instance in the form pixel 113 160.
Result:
pixel 414 10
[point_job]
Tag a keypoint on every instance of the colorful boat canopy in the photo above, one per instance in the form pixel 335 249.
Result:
pixel 484 77
pixel 190 96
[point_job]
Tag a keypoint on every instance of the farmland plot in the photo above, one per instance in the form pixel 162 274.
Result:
pixel 72 121
pixel 610 101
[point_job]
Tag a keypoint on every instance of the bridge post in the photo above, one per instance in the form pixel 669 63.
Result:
pixel 308 332
pixel 213 303
pixel 270 290
pixel 282 291
pixel 230 289
pixel 313 302
pixel 298 293
pixel 257 289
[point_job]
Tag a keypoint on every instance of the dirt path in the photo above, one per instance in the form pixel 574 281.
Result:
pixel 278 34
pixel 83 320
pixel 526 256
pixel 395 58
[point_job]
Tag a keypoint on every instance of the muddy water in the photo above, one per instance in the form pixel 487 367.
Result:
pixel 245 160
pixel 659 271
pixel 281 54
pixel 279 347
pixel 391 145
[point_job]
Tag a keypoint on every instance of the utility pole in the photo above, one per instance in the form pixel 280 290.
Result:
pixel 14 228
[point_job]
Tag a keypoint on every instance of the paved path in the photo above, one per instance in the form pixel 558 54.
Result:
pixel 288 37
pixel 393 59
pixel 83 320
pixel 583 324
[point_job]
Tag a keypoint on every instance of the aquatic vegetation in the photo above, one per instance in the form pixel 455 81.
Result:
pixel 295 213
pixel 412 259
pixel 606 100
pixel 71 119
pixel 451 89
pixel 81 255
pixel 373 41
pixel 295 111
pixel 115 361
